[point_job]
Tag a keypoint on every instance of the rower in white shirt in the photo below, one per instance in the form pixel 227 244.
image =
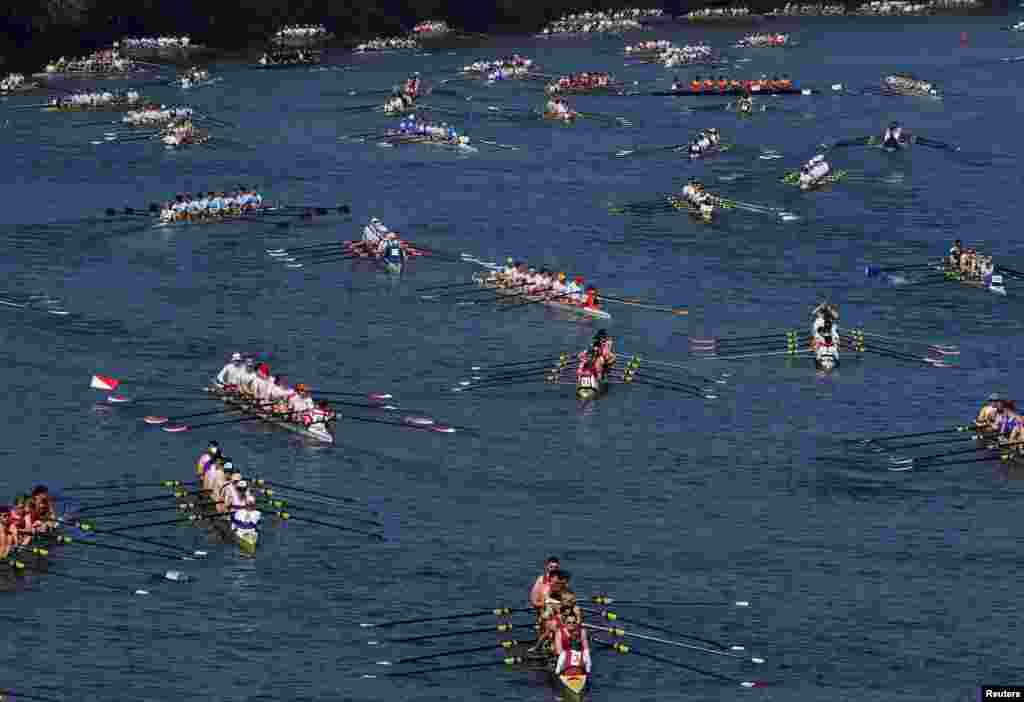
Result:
pixel 229 375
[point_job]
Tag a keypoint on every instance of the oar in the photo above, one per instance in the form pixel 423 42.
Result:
pixel 122 503
pixel 496 612
pixel 495 144
pixel 932 442
pixel 174 575
pixel 461 293
pixel 414 423
pixel 18 565
pixel 442 654
pixel 890 437
pixel 519 363
pixel 127 486
pixel 617 631
pixel 447 286
pixel 613 617
pixel 227 409
pixel 644 151
pixel 774 336
pixel 664 386
pixel 917 460
pixel 65 539
pixel 509 661
pixel 934 143
pixel 644 305
pixel 90 527
pixel 289 516
pixel 871 270
pixel 275 505
pixel 902 356
pixel 260 482
pixel 499 627
pixel 711 381
pixel 197 398
pixel 179 428
pixel 856 141
pixel 623 648
pixel 484 385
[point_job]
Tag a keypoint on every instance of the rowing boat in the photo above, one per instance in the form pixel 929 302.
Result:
pixel 734 92
pixel 235 215
pixel 203 507
pixel 317 432
pixel 993 284
pixel 909 86
pixel 712 150
pixel 832 177
pixel 490 284
pixel 706 211
pixel 391 138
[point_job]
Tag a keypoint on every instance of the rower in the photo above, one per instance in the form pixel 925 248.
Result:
pixel 542 585
pixel 510 268
pixel 245 378
pixel 604 342
pixel 745 104
pixel 1007 419
pixel 301 404
pixel 230 497
pixel 576 290
pixel 210 454
pixel 244 516
pixel 814 170
pixel 213 478
pixel 229 375
pixel 43 508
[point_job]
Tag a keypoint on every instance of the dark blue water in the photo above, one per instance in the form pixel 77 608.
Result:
pixel 865 584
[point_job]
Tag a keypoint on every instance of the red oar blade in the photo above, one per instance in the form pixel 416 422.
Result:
pixel 104 382
pixel 176 429
pixel 151 419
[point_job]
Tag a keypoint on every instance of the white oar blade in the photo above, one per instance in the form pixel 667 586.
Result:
pixel 152 419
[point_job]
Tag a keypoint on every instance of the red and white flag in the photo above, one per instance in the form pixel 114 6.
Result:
pixel 104 382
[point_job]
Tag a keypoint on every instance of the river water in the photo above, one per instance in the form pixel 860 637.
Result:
pixel 865 584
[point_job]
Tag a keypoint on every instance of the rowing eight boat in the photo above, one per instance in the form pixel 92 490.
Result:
pixel 489 283
pixel 317 432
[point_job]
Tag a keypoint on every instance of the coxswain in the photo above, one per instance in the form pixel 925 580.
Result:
pixel 509 269
pixel 893 135
pixel 814 170
pixel 229 375
pixel 571 644
pixel 244 516
pixel 955 251
pixel 210 454
pixel 825 316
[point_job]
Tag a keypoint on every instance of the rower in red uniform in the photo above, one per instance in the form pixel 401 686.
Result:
pixel 590 300
pixel 8 530
pixel 542 585
pixel 695 84
pixel 43 509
